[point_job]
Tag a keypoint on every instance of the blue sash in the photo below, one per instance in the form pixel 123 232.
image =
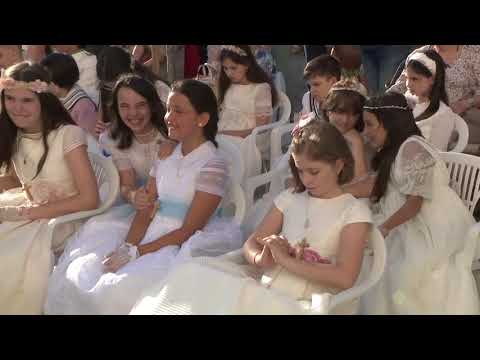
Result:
pixel 178 210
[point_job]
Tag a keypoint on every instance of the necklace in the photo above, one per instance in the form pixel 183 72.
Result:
pixel 146 138
pixel 306 224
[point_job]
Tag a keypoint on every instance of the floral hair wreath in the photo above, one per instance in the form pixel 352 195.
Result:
pixel 234 49
pixel 350 84
pixel 37 86
pixel 297 130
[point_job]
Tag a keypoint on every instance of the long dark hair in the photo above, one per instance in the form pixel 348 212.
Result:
pixel 53 113
pixel 145 89
pixel 255 73
pixel 112 62
pixel 396 117
pixel 321 141
pixel 438 92
pixel 203 100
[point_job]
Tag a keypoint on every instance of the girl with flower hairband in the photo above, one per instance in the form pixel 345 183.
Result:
pixel 49 175
pixel 246 96
pixel 309 246
pixel 424 222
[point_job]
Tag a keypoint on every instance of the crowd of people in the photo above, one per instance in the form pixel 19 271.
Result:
pixel 365 152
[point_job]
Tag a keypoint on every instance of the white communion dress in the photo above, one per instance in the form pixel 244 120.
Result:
pixel 80 285
pixel 26 248
pixel 429 257
pixel 241 105
pixel 438 128
pixel 219 286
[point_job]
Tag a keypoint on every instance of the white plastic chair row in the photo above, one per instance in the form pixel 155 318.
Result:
pixel 464 171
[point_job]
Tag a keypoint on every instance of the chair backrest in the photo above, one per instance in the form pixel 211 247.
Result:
pixel 235 197
pixel 464 172
pixel 284 108
pixel 462 129
pixel 233 203
pixel 260 192
pixel 277 142
pixel 108 179
pixel 373 274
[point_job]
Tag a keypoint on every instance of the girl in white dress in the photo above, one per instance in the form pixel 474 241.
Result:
pixel 48 175
pixel 109 264
pixel 138 130
pixel 425 74
pixel 247 97
pixel 424 222
pixel 343 108
pixel 311 242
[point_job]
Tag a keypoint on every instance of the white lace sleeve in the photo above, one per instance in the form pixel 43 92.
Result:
pixel 263 100
pixel 213 177
pixel 415 169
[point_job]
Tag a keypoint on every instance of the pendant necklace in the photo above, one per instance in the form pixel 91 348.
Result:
pixel 306 224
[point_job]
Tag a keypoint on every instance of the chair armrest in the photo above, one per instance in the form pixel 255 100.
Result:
pixel 276 142
pixel 80 215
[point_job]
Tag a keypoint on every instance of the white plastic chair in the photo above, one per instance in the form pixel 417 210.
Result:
pixel 107 175
pixel 274 180
pixel 284 108
pixel 378 253
pixel 235 196
pixel 277 144
pixel 463 133
pixel 464 171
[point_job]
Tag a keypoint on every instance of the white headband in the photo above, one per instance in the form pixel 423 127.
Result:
pixel 424 60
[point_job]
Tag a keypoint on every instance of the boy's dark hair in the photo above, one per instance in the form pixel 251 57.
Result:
pixel 63 69
pixel 323 65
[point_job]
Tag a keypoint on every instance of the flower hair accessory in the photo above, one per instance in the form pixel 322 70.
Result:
pixel 234 49
pixel 304 121
pixel 423 59
pixel 350 84
pixel 37 86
